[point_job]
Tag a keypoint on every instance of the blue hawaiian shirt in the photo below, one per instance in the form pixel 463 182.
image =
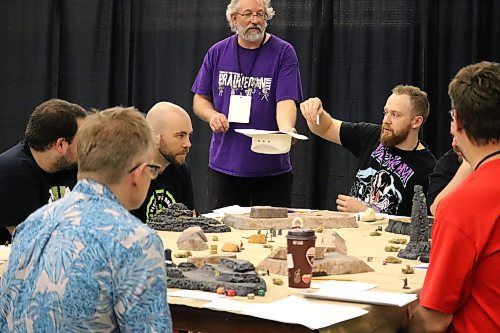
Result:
pixel 84 263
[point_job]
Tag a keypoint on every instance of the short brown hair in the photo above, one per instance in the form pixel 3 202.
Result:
pixel 111 141
pixel 475 95
pixel 418 99
pixel 51 120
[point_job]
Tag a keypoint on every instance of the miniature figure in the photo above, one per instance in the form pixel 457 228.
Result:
pixel 277 281
pixel 391 248
pixel 408 270
pixel 405 283
pixel 393 260
pixel 398 241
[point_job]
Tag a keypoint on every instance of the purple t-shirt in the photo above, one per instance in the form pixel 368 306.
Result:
pixel 270 74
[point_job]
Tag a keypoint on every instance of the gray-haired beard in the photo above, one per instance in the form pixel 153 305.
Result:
pixel 248 34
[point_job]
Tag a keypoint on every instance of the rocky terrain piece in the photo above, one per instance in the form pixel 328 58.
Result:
pixel 267 212
pixel 178 218
pixel 324 218
pixel 334 242
pixel 193 239
pixel 231 274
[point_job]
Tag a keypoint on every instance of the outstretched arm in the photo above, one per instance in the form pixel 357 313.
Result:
pixel 319 121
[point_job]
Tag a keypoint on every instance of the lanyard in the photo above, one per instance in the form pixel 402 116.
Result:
pixel 254 59
pixel 485 158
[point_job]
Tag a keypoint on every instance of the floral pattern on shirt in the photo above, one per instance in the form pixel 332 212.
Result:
pixel 84 263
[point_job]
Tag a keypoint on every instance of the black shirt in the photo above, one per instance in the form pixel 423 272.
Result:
pixel 386 175
pixel 445 169
pixel 174 185
pixel 25 187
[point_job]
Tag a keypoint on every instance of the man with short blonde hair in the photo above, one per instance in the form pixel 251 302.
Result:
pixel 84 262
pixel 391 157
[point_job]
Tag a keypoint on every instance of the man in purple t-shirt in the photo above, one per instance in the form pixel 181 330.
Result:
pixel 249 80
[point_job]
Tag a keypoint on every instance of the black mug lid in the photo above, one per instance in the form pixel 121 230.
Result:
pixel 300 233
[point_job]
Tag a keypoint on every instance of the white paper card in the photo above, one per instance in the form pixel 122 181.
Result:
pixel 239 109
pixel 255 132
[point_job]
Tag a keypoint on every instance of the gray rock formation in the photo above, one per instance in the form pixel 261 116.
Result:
pixel 419 245
pixel 178 218
pixel 232 274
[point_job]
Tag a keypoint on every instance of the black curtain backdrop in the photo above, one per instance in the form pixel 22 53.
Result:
pixel 102 53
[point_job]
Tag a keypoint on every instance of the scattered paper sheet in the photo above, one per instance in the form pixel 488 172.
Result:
pixel 370 297
pixel 342 285
pixel 194 294
pixel 253 132
pixel 293 310
pixel 234 209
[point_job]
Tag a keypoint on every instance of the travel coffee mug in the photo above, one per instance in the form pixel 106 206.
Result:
pixel 300 257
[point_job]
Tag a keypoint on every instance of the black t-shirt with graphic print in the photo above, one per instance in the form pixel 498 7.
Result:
pixel 174 185
pixel 25 187
pixel 386 176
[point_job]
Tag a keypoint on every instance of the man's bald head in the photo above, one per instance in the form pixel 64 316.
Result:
pixel 173 128
pixel 164 113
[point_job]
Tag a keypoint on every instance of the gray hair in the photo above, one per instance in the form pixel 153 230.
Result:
pixel 232 8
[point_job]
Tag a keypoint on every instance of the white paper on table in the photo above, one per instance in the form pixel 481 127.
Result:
pixel 423 265
pixel 253 132
pixel 370 297
pixel 342 285
pixel 234 209
pixel 194 294
pixel 213 215
pixel 293 310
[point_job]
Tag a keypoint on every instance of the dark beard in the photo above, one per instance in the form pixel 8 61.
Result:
pixel 171 159
pixel 62 163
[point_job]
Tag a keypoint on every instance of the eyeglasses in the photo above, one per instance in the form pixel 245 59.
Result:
pixel 249 16
pixel 154 169
pixel 452 115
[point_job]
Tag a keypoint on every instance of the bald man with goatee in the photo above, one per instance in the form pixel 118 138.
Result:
pixel 172 128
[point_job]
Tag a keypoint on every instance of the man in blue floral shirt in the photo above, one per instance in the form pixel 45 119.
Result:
pixel 84 263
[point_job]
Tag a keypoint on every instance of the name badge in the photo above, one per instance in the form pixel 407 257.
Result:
pixel 239 109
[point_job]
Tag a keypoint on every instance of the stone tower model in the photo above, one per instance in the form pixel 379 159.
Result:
pixel 419 245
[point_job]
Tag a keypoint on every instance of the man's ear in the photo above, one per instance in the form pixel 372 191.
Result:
pixel 61 145
pixel 417 121
pixel 136 175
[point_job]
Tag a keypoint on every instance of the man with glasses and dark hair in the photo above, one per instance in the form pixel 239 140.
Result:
pixel 84 263
pixel 42 168
pixel 391 158
pixel 172 128
pixel 461 291
pixel 248 81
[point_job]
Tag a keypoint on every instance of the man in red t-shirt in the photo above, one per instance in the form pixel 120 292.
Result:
pixel 461 292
